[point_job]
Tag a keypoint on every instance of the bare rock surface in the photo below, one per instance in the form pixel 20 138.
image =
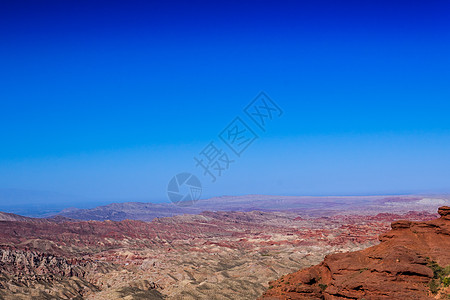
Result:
pixel 409 263
pixel 211 255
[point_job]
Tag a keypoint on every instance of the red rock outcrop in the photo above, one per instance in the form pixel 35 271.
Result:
pixel 402 266
pixel 181 257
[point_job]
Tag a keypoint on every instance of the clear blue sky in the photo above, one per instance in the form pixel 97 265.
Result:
pixel 111 99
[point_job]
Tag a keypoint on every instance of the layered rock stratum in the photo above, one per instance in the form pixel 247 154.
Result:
pixel 211 255
pixel 411 262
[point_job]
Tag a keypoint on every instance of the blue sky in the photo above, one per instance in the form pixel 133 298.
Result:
pixel 111 99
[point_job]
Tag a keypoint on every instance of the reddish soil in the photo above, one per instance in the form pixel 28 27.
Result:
pixel 400 267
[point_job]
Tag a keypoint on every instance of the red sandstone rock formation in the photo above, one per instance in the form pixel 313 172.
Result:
pixel 214 253
pixel 402 266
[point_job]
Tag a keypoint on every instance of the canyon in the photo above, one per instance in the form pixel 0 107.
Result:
pixel 205 255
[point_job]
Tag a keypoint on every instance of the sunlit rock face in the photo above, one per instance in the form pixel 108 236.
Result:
pixel 407 264
pixel 211 255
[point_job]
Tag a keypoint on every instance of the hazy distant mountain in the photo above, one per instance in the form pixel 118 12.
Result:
pixel 12 217
pixel 33 203
pixel 315 206
pixel 42 204
pixel 128 210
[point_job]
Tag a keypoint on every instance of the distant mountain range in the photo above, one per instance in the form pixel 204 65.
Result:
pixel 40 204
pixel 313 206
pixel 12 217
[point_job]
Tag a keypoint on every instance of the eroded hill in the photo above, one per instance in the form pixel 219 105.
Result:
pixel 411 262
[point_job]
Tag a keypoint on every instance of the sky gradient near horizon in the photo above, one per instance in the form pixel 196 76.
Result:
pixel 109 100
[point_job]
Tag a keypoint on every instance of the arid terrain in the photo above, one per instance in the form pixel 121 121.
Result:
pixel 208 255
pixel 411 262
